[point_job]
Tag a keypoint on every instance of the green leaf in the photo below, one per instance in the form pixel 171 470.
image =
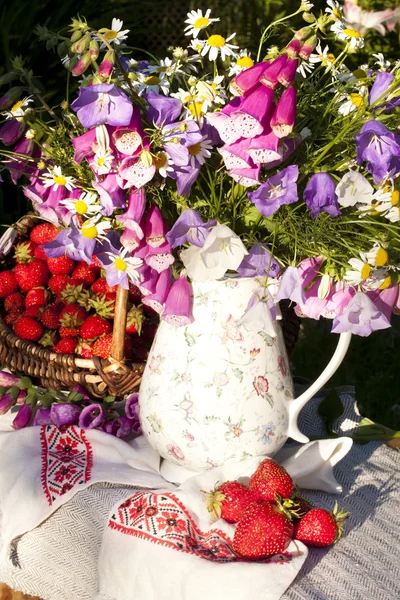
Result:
pixel 109 400
pixel 330 409
pixel 269 399
pixel 25 383
pixel 368 431
pixel 239 374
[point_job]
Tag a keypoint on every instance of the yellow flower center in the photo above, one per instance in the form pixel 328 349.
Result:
pixel 381 257
pixel 59 179
pixel 194 149
pixel 100 161
pixel 395 197
pixel 120 264
pixel 152 80
pixel 366 271
pixel 216 41
pixel 89 230
pixel 17 106
pixel 111 34
pixel 386 282
pixel 162 69
pixel 352 33
pixel 245 61
pixel 357 100
pixel 336 12
pixel 330 57
pixel 160 160
pixel 196 109
pixel 201 23
pixel 81 207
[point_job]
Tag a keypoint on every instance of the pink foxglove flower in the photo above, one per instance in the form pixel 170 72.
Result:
pixel 8 379
pixel 246 177
pixel 362 20
pixel 247 81
pixel 92 416
pixel 154 227
pixel 159 258
pixel 253 115
pixel 133 216
pixel 283 119
pixel 42 416
pixel 270 76
pixel 128 139
pixel 11 131
pixel 157 300
pixel 178 306
pixel 64 413
pixel 288 72
pixel 264 149
pixel 6 402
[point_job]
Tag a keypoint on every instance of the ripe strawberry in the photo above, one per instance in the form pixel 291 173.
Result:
pixel 34 274
pixel 28 328
pixel 135 294
pixel 51 316
pixel 84 273
pixel 100 286
pixel 95 326
pixel 320 528
pixel 271 480
pixel 71 317
pixel 8 283
pixel 14 302
pixel 66 345
pixel 36 297
pixel 62 265
pixel 134 321
pixel 12 317
pixel 58 283
pixel 34 311
pixel 40 253
pixel 102 346
pixel 25 252
pixel 229 501
pixel 95 264
pixel 43 233
pixel 262 531
pixel 84 350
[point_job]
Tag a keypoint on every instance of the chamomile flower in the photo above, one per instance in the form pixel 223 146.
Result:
pixel 163 163
pixel 150 83
pixel 55 179
pixel 103 158
pixel 18 110
pixel 200 151
pixel 352 102
pixel 115 35
pixel 304 68
pixel 377 256
pixel 216 44
pixel 243 62
pixel 326 58
pixel 381 61
pixel 211 92
pixel 197 45
pixel 333 8
pixel 120 268
pixel 363 273
pixel 166 68
pixel 346 34
pixel 85 206
pixel 197 21
pixel 95 230
pixel 389 206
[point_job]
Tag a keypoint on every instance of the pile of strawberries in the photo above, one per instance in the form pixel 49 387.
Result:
pixel 68 305
pixel 269 513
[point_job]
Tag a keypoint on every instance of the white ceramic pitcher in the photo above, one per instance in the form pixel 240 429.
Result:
pixel 213 392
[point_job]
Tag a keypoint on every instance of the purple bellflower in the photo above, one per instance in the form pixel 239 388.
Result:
pixel 290 287
pixel 189 228
pixel 361 317
pixel 102 103
pixel 259 262
pixel 277 190
pixel 379 148
pixel 92 416
pixel 320 195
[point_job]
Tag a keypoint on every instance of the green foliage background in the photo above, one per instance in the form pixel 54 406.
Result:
pixel 371 364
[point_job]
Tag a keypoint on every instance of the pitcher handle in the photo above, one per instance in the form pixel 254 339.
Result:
pixel 297 404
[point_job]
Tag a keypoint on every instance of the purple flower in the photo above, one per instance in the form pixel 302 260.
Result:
pixel 102 103
pixel 277 190
pixel 8 379
pixel 247 81
pixel 283 119
pixel 11 131
pixel 83 145
pixel 382 83
pixel 185 178
pixel 159 258
pixel 290 287
pixel 92 416
pixel 189 228
pixel 162 110
pixel 264 149
pixel 120 427
pixel 177 137
pixel 132 411
pixel 23 417
pixel 320 195
pixel 288 72
pixel 25 149
pixel 258 262
pixel 270 76
pixel 132 217
pixel 71 243
pixel 361 317
pixel 6 402
pixel 254 113
pixel 120 268
pixel 178 306
pixel 246 177
pixel 42 416
pixel 111 195
pixel 135 172
pixel 128 140
pixel 64 413
pixel 155 227
pixel 157 300
pixel 379 148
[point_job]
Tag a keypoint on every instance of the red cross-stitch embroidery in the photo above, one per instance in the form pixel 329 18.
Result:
pixel 163 519
pixel 67 459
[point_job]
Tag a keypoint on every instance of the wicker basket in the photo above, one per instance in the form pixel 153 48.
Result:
pixel 115 376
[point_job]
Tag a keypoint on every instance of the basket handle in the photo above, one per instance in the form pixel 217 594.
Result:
pixel 121 311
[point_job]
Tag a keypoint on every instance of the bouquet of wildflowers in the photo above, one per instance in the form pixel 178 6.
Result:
pixel 282 166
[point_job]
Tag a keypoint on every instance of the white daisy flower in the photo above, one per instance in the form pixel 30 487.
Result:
pixel 93 229
pixel 122 268
pixel 381 61
pixel 389 205
pixel 351 36
pixel 377 256
pixel 306 5
pixel 200 151
pixel 197 21
pixel 352 102
pixel 323 56
pixel 55 178
pixel 216 44
pixel 333 8
pixel 103 156
pixel 166 68
pixel 243 62
pixel 363 273
pixel 85 206
pixel 163 163
pixel 197 45
pixel 19 109
pixel 115 35
pixel 150 83
pixel 212 92
pixel 304 68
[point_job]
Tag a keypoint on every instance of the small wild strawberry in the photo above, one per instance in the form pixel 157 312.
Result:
pixel 36 297
pixel 43 233
pixel 66 345
pixel 271 480
pixel 320 528
pixel 40 253
pixel 84 273
pixel 28 328
pixel 51 316
pixel 8 283
pixel 134 321
pixel 14 302
pixel 262 531
pixel 34 311
pixel 62 265
pixel 72 315
pixel 34 274
pixel 58 283
pixel 94 327
pixel 12 317
pixel 229 500
pixel 100 286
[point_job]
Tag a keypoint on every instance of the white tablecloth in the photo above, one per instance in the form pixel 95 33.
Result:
pixel 58 559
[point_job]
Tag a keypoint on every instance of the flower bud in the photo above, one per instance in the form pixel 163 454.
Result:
pixel 8 379
pixel 107 64
pixel 82 65
pixel 23 417
pixel 288 73
pixel 81 45
pixel 284 116
pixel 8 400
pixel 308 47
pixel 146 158
pixel 303 33
pixel 270 76
pixel 22 396
pixel 308 17
pixel 42 416
pixel 92 416
pixel 64 413
pixel 10 97
pixel 293 48
pixel 76 36
pixel 94 49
